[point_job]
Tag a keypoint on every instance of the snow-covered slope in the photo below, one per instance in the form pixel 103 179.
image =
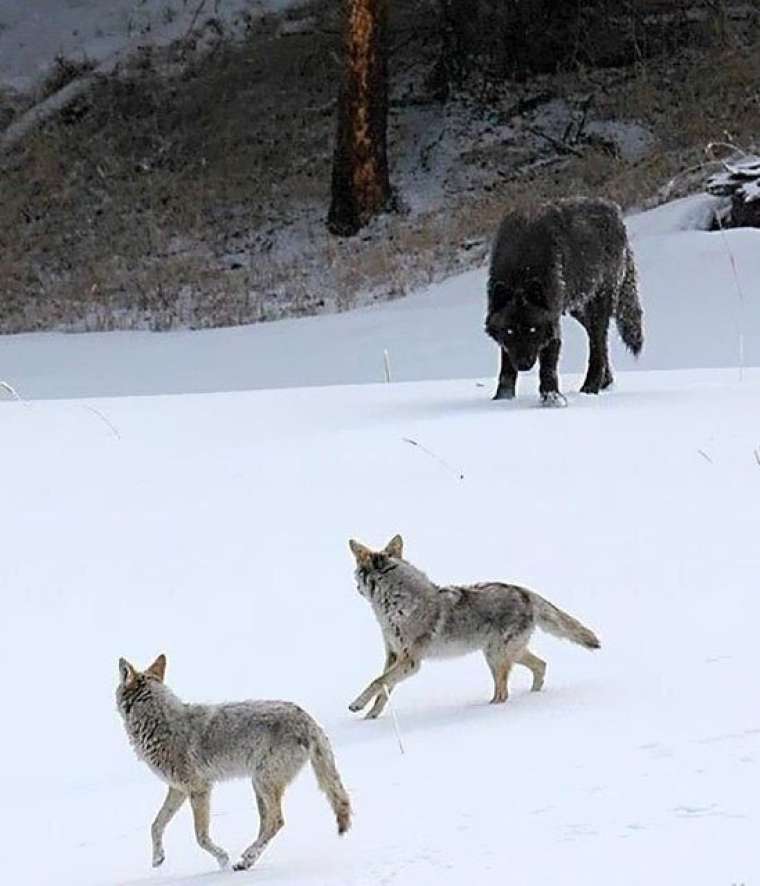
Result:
pixel 214 528
pixel 33 33
pixel 693 314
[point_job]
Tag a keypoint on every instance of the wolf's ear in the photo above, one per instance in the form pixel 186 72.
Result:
pixel 126 672
pixel 158 668
pixel 395 547
pixel 363 554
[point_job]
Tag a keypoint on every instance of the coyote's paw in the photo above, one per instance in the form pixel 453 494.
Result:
pixel 361 701
pixel 224 861
pixel 553 399
pixel 158 858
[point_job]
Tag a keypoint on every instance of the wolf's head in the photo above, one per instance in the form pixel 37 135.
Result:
pixel 520 321
pixel 523 313
pixel 370 565
pixel 133 683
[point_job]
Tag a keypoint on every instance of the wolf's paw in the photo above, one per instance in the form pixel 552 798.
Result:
pixel 553 399
pixel 158 858
pixel 241 865
pixel 356 705
pixel 503 394
pixel 592 386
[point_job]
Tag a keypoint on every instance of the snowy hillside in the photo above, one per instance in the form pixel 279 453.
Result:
pixel 33 33
pixel 214 528
pixel 693 316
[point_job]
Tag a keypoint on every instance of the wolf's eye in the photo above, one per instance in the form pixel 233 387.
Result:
pixel 509 330
pixel 532 329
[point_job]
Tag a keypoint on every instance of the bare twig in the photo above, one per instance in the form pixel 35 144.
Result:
pixel 740 292
pixel 704 455
pixel 13 392
pixel 438 458
pixel 394 719
pixel 387 365
pixel 114 430
pixel 194 19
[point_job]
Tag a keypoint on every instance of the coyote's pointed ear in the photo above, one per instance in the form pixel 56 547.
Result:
pixel 395 547
pixel 363 554
pixel 126 672
pixel 158 668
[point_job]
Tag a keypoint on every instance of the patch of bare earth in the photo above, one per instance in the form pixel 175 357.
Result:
pixel 193 193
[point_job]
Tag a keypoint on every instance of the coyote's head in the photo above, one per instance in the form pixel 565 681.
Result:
pixel 132 682
pixel 371 564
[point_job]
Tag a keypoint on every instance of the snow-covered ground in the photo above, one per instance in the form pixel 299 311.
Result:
pixel 693 315
pixel 214 528
pixel 33 33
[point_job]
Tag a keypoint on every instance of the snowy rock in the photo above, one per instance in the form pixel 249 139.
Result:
pixel 740 181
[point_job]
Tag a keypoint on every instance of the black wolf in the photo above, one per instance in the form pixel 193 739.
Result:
pixel 570 256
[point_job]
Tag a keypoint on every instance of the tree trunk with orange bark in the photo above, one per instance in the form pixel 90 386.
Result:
pixel 360 183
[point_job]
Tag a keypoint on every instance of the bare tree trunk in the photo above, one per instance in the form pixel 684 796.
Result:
pixel 360 184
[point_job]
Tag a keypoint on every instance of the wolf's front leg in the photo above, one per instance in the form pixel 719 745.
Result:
pixel 404 667
pixel 174 799
pixel 548 385
pixel 506 385
pixel 200 801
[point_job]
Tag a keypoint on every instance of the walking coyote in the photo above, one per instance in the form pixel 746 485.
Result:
pixel 191 746
pixel 421 620
pixel 570 256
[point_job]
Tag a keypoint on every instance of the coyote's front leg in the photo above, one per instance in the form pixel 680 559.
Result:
pixel 381 698
pixel 404 667
pixel 174 799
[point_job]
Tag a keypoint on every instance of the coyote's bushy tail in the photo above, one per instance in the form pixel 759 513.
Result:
pixel 323 764
pixel 554 621
pixel 628 314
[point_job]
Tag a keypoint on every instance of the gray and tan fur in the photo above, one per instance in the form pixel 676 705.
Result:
pixel 191 746
pixel 569 256
pixel 421 620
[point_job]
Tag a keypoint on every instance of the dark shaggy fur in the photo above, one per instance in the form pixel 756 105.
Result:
pixel 572 256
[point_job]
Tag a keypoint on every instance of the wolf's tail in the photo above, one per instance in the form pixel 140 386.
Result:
pixel 554 621
pixel 628 314
pixel 323 764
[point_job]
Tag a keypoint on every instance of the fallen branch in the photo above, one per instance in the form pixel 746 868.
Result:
pixel 554 142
